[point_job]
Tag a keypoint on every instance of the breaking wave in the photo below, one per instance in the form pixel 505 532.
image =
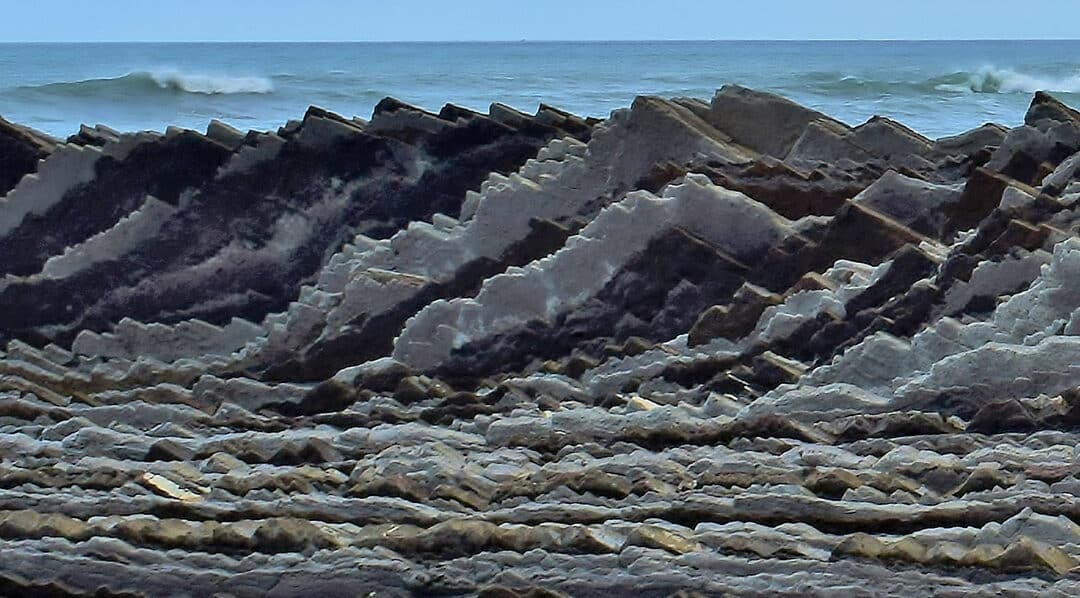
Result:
pixel 986 80
pixel 995 80
pixel 157 82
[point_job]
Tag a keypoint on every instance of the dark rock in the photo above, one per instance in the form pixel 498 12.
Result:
pixel 327 397
pixel 981 195
pixel 1046 109
pixel 411 390
pixel 735 320
pixel 906 424
pixel 642 289
pixel 162 279
pixel 374 337
pixel 1002 416
pixel 987 136
pixel 20 150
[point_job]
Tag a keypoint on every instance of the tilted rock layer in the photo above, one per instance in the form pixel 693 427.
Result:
pixel 724 347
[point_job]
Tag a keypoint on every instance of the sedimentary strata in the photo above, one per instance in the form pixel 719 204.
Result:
pixel 712 347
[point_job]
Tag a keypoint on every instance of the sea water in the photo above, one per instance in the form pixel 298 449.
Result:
pixel 939 88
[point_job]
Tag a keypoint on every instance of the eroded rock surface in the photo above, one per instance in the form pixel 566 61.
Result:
pixel 703 347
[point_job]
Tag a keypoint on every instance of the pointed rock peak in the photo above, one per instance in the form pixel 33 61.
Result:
pixel 884 121
pixel 508 115
pixel 1046 108
pixel 321 125
pixel 499 107
pixel 98 135
pixel 225 134
pixel 24 134
pixel 987 130
pixel 644 101
pixel 453 112
pixel 647 108
pixel 559 111
pixel 389 104
pixel 885 137
pixel 568 121
pixel 319 112
pixel 171 132
pixel 762 121
pixel 20 149
pixel 746 95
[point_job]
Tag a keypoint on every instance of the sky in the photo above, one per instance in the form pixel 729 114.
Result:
pixel 489 20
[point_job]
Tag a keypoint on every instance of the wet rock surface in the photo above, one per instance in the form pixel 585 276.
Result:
pixel 726 347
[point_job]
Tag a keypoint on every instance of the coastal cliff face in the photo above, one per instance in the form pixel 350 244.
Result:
pixel 724 346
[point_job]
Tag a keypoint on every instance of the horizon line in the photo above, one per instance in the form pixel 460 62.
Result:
pixel 547 41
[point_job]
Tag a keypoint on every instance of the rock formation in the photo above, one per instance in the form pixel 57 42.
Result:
pixel 726 347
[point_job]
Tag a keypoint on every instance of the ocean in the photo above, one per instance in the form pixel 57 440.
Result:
pixel 937 87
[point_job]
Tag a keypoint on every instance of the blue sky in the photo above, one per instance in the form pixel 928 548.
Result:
pixel 431 20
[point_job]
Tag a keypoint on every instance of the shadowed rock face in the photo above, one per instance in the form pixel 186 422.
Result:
pixel 655 297
pixel 160 168
pixel 247 231
pixel 371 338
pixel 730 345
pixel 20 150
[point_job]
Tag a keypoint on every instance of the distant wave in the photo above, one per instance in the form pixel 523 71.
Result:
pixel 986 80
pixel 158 81
pixel 211 84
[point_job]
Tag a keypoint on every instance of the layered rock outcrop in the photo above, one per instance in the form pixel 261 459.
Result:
pixel 725 347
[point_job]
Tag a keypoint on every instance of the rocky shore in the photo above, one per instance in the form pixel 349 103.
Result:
pixel 703 347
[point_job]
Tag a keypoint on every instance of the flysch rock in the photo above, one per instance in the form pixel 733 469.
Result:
pixel 37 192
pixel 501 227
pixel 703 347
pixel 22 150
pixel 581 269
pixel 917 204
pixel 217 256
pixel 130 230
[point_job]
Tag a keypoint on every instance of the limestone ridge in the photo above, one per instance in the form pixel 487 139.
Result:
pixel 21 149
pixel 732 346
pixel 253 219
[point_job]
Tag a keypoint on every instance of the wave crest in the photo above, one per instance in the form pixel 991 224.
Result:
pixel 996 80
pixel 156 82
pixel 211 84
pixel 985 80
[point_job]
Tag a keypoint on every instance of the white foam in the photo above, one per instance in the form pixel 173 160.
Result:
pixel 990 79
pixel 210 84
